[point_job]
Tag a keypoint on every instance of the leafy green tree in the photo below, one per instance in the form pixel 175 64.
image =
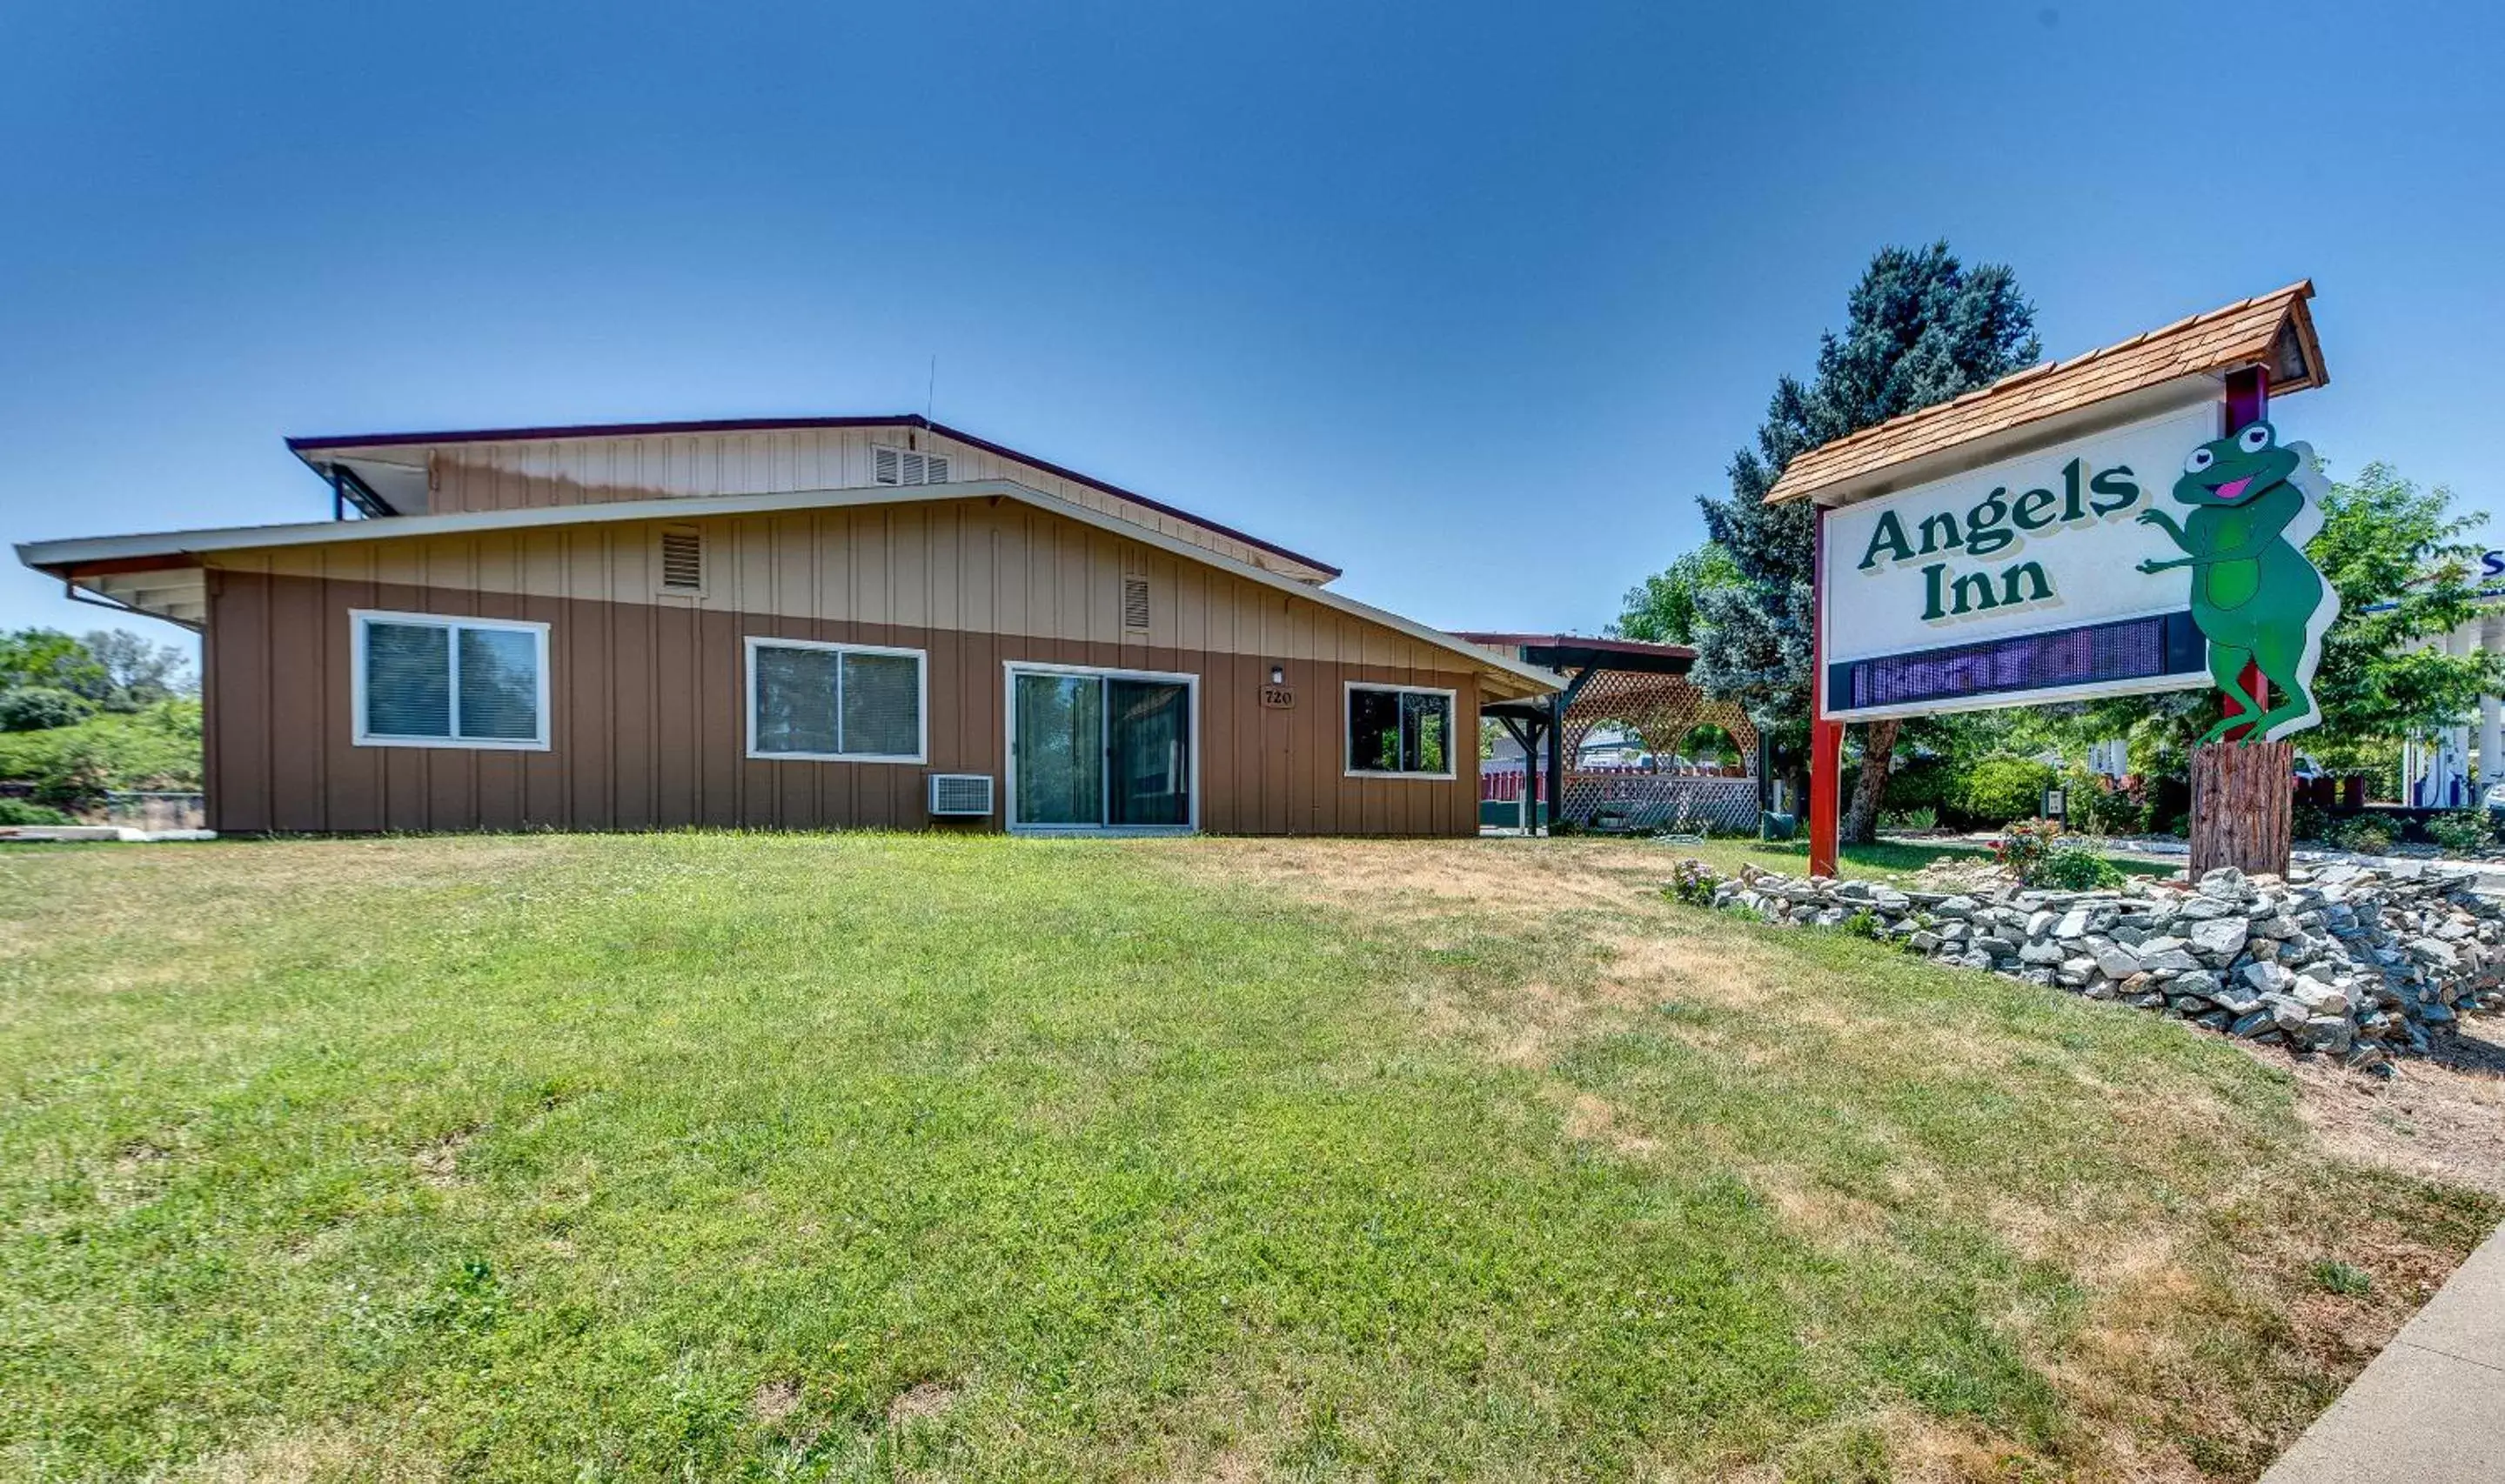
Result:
pixel 137 673
pixel 2404 573
pixel 1920 328
pixel 1662 609
pixel 40 708
pixel 47 656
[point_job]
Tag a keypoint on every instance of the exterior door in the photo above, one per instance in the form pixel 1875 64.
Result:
pixel 1057 749
pixel 1148 754
pixel 1100 750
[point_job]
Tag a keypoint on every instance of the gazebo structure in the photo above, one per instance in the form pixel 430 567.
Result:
pixel 1643 691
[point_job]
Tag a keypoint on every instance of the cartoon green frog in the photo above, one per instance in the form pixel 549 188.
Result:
pixel 2255 596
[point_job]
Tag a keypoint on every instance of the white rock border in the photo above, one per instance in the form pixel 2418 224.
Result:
pixel 2363 962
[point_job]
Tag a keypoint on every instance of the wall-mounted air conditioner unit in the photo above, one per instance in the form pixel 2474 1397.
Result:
pixel 955 795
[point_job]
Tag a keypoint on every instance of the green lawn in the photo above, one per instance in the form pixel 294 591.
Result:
pixel 853 1157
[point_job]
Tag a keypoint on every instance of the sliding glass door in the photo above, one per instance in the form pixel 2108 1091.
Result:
pixel 1148 752
pixel 1100 750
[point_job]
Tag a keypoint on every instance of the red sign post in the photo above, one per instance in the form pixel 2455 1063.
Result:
pixel 1825 737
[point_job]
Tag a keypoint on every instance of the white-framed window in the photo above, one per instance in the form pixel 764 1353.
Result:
pixel 826 702
pixel 424 680
pixel 1400 731
pixel 903 466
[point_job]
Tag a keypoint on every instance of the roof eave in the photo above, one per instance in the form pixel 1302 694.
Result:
pixel 1795 486
pixel 63 558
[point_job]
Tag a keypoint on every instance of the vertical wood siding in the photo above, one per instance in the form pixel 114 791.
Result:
pixel 588 470
pixel 648 692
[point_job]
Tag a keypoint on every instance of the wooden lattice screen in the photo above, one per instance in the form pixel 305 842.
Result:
pixel 1659 711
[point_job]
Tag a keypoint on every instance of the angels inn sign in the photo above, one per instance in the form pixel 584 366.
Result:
pixel 2128 521
pixel 2155 555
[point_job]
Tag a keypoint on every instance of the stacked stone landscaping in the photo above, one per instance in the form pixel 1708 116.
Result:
pixel 2356 961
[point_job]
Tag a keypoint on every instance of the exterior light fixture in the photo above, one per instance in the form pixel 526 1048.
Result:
pixel 1278 674
pixel 2057 805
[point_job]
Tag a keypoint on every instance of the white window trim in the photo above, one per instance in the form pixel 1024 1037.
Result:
pixel 359 617
pixel 921 707
pixel 1011 669
pixel 1451 715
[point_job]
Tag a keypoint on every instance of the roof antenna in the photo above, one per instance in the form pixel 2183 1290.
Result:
pixel 930 392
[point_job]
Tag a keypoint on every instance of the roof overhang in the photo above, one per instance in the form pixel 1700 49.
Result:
pixel 173 586
pixel 2175 396
pixel 1575 651
pixel 88 561
pixel 2144 376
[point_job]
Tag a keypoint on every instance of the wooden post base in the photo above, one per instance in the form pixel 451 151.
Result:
pixel 2242 807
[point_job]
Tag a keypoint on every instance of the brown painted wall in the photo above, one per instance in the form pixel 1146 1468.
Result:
pixel 648 727
pixel 980 565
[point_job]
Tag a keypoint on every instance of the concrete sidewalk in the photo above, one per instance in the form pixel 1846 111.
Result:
pixel 2427 1410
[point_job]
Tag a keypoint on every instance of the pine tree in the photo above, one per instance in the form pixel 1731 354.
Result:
pixel 1920 328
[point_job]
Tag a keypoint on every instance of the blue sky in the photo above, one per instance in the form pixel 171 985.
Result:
pixel 1471 300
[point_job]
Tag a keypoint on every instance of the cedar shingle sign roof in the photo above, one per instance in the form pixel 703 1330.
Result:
pixel 2274 331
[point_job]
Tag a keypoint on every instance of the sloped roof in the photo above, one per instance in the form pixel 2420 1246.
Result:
pixel 170 562
pixel 314 449
pixel 2274 331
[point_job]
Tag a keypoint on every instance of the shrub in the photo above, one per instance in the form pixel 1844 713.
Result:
pixel 2001 787
pixel 2363 833
pixel 41 708
pixel 2031 850
pixel 1920 783
pixel 81 775
pixel 159 748
pixel 2459 832
pixel 2024 845
pixel 18 811
pixel 2095 802
pixel 2075 868
pixel 1863 924
pixel 1923 818
pixel 2309 821
pixel 1693 880
pixel 2337 1277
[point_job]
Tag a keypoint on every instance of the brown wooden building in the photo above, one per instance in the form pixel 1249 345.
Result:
pixel 831 623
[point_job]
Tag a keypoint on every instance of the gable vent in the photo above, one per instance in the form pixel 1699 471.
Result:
pixel 1135 602
pixel 682 559
pixel 903 466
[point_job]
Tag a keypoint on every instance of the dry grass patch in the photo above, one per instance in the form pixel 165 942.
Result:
pixel 2171 1206
pixel 331 1453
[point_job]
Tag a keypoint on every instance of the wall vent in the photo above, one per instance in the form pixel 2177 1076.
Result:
pixel 902 466
pixel 1135 602
pixel 682 559
pixel 961 795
